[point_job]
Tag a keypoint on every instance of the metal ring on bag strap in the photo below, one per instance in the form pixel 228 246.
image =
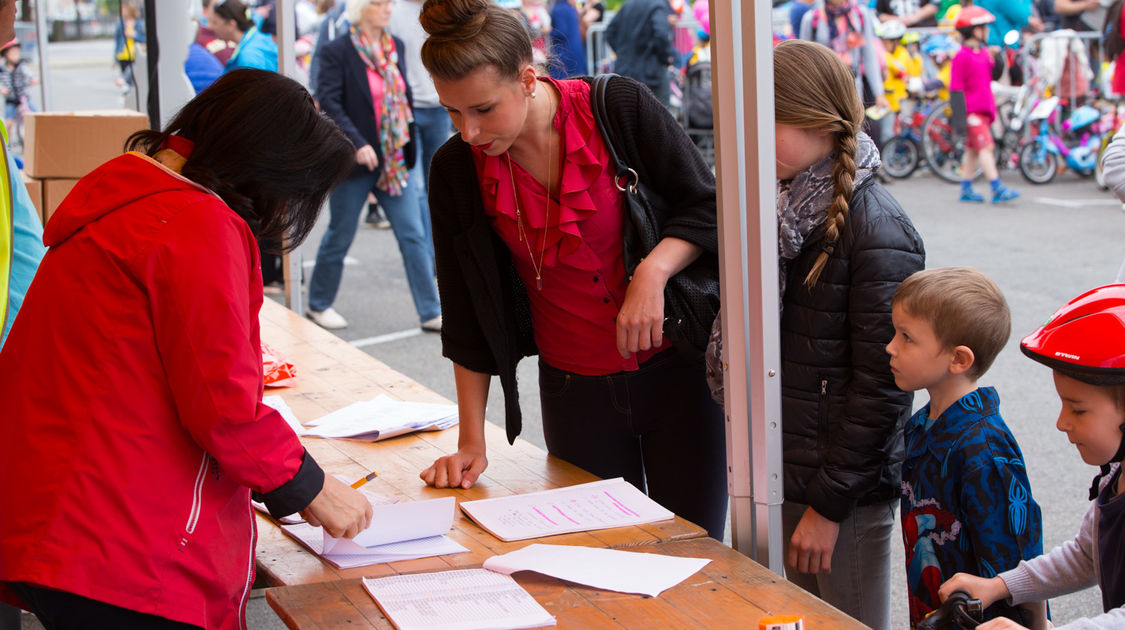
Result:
pixel 633 186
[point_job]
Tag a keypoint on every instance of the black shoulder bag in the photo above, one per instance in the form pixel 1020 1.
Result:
pixel 691 297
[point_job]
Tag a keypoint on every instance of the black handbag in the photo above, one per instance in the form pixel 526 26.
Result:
pixel 691 297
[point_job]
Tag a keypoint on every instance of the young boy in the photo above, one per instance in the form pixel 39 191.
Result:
pixel 894 78
pixel 971 74
pixel 1084 343
pixel 15 80
pixel 966 499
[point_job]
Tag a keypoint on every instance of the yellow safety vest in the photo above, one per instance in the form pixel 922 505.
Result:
pixel 7 233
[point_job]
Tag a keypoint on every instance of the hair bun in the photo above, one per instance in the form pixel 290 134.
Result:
pixel 453 19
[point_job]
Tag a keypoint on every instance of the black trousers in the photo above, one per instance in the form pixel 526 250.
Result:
pixel 656 427
pixel 59 610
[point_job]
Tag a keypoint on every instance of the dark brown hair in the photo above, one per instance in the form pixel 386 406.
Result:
pixel 262 146
pixel 233 10
pixel 814 89
pixel 963 306
pixel 469 34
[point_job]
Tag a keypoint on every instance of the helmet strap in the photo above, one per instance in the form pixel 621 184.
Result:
pixel 1105 468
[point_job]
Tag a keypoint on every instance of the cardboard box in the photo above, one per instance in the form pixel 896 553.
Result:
pixel 68 145
pixel 35 191
pixel 54 191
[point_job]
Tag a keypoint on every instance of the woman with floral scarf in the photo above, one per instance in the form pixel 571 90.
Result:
pixel 848 28
pixel 361 87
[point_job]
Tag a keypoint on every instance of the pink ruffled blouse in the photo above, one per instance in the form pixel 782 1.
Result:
pixel 583 272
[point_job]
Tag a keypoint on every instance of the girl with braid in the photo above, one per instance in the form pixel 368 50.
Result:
pixel 844 244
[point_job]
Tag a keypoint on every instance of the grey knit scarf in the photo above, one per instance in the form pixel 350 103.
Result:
pixel 802 202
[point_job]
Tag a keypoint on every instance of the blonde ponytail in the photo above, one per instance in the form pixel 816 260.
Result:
pixel 843 176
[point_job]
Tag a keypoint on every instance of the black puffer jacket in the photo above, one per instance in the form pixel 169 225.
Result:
pixel 842 414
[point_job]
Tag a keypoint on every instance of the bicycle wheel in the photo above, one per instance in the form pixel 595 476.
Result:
pixel 900 156
pixel 940 147
pixel 1037 164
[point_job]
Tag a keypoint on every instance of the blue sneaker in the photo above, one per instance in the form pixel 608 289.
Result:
pixel 969 195
pixel 1004 194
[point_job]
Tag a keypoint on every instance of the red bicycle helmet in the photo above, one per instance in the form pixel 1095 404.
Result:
pixel 1085 340
pixel 973 16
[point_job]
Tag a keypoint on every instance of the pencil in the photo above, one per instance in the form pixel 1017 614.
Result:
pixel 362 480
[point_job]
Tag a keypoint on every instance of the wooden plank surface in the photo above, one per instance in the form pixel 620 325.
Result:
pixel 731 591
pixel 332 374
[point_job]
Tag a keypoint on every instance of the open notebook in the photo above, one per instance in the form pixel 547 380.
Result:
pixel 399 531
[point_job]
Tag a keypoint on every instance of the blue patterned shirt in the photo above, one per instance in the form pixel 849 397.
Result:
pixel 966 500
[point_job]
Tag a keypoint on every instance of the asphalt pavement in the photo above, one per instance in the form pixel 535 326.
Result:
pixel 1050 245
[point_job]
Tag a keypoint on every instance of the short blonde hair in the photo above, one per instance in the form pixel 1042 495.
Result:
pixel 963 306
pixel 354 9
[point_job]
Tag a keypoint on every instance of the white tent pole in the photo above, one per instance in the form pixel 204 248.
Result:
pixel 46 98
pixel 743 73
pixel 287 64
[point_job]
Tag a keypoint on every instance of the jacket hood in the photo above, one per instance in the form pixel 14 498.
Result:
pixel 113 185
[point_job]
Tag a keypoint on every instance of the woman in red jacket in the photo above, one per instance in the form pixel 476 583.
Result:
pixel 133 431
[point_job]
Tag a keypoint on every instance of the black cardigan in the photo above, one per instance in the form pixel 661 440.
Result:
pixel 842 414
pixel 486 315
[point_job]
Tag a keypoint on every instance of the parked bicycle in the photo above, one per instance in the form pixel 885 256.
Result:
pixel 1048 153
pixel 944 150
pixel 902 153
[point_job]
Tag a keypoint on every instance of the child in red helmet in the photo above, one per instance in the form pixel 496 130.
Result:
pixel 971 74
pixel 1084 343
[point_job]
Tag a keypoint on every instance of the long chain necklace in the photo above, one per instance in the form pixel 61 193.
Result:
pixel 520 230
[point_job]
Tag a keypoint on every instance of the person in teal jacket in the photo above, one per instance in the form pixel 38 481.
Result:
pixel 255 49
pixel 21 243
pixel 1011 15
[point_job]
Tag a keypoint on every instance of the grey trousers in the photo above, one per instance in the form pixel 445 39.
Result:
pixel 860 581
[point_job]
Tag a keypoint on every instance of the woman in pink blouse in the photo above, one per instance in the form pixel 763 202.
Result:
pixel 528 237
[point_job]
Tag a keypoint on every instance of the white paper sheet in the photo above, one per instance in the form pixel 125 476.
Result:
pixel 346 554
pixel 607 569
pixel 381 418
pixel 465 599
pixel 397 522
pixel 584 507
pixel 278 403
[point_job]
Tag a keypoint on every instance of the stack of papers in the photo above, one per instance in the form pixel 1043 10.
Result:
pixel 382 418
pixel 399 531
pixel 580 508
pixel 465 599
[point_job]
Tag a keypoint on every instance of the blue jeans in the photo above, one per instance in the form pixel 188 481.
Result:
pixel 411 228
pixel 433 127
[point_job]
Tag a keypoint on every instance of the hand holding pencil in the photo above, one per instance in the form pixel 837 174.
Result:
pixel 341 510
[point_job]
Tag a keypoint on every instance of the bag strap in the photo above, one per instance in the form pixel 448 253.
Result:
pixel 601 117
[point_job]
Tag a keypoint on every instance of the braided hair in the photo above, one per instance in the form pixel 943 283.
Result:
pixel 815 90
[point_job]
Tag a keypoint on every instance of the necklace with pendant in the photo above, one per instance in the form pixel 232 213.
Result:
pixel 520 230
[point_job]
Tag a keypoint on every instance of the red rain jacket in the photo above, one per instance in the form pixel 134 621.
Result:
pixel 132 423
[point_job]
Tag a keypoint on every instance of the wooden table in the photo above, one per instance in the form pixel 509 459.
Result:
pixel 332 374
pixel 732 591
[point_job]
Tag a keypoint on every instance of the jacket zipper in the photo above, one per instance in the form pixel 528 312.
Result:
pixel 822 433
pixel 196 500
pixel 249 571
